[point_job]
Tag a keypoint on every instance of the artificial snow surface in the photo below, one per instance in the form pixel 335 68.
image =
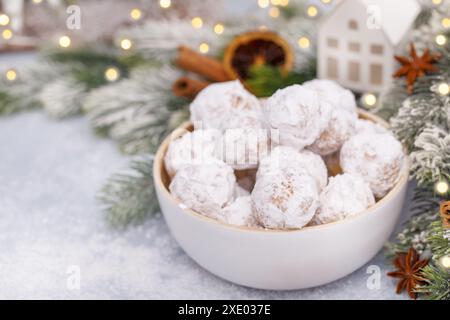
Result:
pixel 50 223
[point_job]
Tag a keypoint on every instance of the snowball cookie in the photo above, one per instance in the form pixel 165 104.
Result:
pixel 225 105
pixel 196 147
pixel 299 161
pixel 242 148
pixel 240 192
pixel 343 111
pixel 287 200
pixel 335 95
pixel 340 128
pixel 205 188
pixel 366 126
pixel 377 157
pixel 239 213
pixel 345 196
pixel 298 116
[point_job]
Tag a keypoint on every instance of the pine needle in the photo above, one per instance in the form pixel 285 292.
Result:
pixel 129 197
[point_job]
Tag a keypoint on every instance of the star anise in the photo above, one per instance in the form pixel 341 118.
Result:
pixel 414 67
pixel 409 267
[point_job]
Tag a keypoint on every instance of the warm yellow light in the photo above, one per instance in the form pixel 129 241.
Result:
pixel 445 261
pixel 136 14
pixel 326 1
pixel 312 11
pixel 370 99
pixel 197 22
pixel 203 48
pixel 275 2
pixel 4 19
pixel 219 28
pixel 441 39
pixel 64 42
pixel 165 3
pixel 7 34
pixel 304 43
pixel 11 75
pixel 126 44
pixel 112 74
pixel 444 89
pixel 436 2
pixel 274 12
pixel 263 3
pixel 263 28
pixel 446 22
pixel 284 3
pixel 37 1
pixel 442 187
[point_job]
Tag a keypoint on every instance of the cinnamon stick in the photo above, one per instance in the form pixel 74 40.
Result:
pixel 188 88
pixel 207 67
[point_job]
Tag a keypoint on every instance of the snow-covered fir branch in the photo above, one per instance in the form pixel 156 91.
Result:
pixel 431 158
pixel 63 97
pixel 159 39
pixel 24 93
pixel 129 196
pixel 137 112
pixel 425 108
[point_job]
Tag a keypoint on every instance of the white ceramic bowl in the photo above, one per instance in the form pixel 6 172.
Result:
pixel 281 260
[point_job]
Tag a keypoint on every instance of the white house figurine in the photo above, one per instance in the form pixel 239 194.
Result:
pixel 358 40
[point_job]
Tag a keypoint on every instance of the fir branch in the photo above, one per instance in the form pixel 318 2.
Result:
pixel 431 158
pixel 424 211
pixel 438 283
pixel 138 112
pixel 62 98
pixel 129 197
pixel 88 65
pixel 437 239
pixel 265 80
pixel 159 39
pixel 393 100
pixel 419 111
pixel 23 93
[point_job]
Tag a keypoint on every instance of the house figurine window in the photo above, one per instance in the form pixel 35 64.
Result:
pixel 353 25
pixel 332 43
pixel 376 49
pixel 354 47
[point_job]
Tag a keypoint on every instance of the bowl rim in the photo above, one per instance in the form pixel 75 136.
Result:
pixel 158 166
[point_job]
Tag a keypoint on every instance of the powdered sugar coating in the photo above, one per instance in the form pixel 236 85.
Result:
pixel 287 200
pixel 377 157
pixel 240 192
pixel 196 147
pixel 333 94
pixel 239 213
pixel 242 148
pixel 366 126
pixel 340 128
pixel 299 161
pixel 297 113
pixel 206 188
pixel 343 114
pixel 345 196
pixel 225 105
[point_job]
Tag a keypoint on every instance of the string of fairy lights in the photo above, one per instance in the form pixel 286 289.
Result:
pixel 272 7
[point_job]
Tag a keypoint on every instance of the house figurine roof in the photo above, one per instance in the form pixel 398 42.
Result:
pixel 397 17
